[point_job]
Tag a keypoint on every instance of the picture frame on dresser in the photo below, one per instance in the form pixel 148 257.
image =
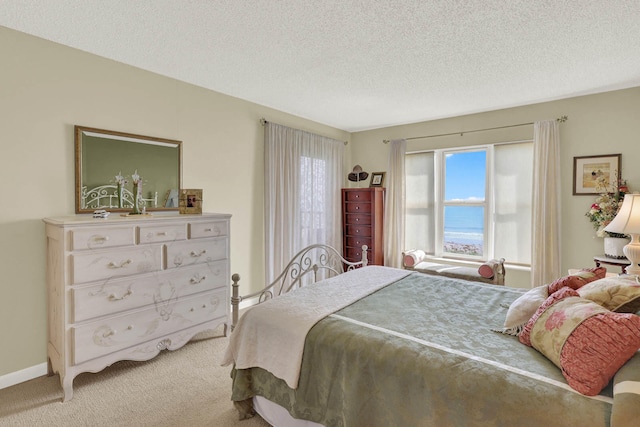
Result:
pixel 377 179
pixel 190 201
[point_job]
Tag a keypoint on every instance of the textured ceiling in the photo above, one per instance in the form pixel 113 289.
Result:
pixel 358 65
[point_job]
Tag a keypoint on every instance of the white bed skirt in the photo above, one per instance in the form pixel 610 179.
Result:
pixel 277 416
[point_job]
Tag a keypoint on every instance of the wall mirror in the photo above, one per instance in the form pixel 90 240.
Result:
pixel 102 155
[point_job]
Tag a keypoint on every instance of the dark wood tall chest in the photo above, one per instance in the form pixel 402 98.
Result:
pixel 362 222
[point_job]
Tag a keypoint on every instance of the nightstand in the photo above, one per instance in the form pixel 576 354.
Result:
pixel 618 262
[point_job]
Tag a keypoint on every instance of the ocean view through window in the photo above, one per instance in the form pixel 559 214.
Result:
pixel 465 177
pixel 471 203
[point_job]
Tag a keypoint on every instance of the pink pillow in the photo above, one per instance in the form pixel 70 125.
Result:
pixel 585 340
pixel 597 349
pixel 579 279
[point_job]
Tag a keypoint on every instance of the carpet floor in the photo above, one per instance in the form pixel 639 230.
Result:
pixel 186 387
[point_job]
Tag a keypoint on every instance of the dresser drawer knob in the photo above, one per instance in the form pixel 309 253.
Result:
pixel 357 207
pixel 161 233
pixel 129 328
pixel 357 219
pixel 114 297
pixel 100 239
pixel 121 265
pixel 109 333
pixel 198 254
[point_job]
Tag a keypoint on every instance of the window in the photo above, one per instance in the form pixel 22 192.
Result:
pixel 472 203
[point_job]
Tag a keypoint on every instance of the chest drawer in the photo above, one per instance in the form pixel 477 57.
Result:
pixel 363 208
pixel 358 230
pixel 105 336
pixel 117 295
pixel 197 251
pixel 102 265
pixel 358 219
pixel 357 196
pixel 199 230
pixel 357 241
pixel 101 237
pixel 161 233
pixel 355 254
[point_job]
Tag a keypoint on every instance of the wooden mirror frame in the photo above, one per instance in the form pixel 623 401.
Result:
pixel 137 162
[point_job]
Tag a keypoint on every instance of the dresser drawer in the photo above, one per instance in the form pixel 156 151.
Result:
pixel 101 237
pixel 105 336
pixel 358 230
pixel 358 196
pixel 161 233
pixel 358 241
pixel 117 295
pixel 358 219
pixel 358 208
pixel 355 255
pixel 102 265
pixel 208 229
pixel 197 251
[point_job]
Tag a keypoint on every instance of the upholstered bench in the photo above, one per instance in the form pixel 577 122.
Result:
pixel 490 272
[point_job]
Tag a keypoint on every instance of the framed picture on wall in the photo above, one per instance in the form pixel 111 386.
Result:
pixel 190 201
pixel 377 179
pixel 589 170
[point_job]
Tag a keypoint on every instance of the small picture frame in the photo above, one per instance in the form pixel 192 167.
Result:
pixel 190 201
pixel 377 179
pixel 588 169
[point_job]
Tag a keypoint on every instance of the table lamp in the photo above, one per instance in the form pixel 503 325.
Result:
pixel 627 221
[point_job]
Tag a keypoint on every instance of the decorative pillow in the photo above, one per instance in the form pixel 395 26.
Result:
pixel 585 340
pixel 525 335
pixel 413 257
pixel 620 294
pixel 579 279
pixel 487 269
pixel 521 310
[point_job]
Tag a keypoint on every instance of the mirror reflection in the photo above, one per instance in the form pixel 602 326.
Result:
pixel 107 160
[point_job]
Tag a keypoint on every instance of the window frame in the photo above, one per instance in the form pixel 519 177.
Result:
pixel 440 202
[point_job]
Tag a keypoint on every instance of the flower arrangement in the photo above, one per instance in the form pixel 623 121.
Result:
pixel 606 205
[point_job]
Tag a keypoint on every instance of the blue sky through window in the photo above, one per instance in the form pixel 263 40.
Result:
pixel 465 175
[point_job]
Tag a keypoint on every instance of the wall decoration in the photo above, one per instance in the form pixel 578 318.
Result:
pixel 190 201
pixel 588 170
pixel 377 179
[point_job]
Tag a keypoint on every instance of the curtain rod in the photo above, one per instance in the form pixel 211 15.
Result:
pixel 264 121
pixel 560 119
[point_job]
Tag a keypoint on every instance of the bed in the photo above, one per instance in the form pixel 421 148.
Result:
pixel 405 348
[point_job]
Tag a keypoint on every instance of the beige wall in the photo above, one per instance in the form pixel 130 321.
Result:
pixel 46 89
pixel 606 123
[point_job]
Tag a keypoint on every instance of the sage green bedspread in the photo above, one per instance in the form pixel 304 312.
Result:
pixel 421 352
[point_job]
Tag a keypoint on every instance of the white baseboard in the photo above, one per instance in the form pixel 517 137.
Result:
pixel 23 375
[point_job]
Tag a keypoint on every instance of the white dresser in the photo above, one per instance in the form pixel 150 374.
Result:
pixel 126 288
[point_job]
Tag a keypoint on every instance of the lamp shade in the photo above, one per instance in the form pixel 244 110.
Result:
pixel 627 221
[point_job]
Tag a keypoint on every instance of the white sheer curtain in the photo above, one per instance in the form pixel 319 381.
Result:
pixel 545 239
pixel 302 182
pixel 394 205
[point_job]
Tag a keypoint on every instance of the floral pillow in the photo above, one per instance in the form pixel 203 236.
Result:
pixel 620 294
pixel 578 279
pixel 585 340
